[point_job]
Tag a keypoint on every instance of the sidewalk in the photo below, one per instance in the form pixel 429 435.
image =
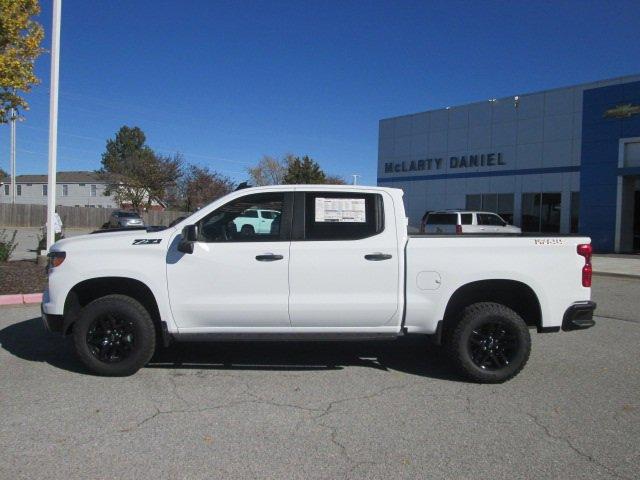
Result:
pixel 27 239
pixel 615 265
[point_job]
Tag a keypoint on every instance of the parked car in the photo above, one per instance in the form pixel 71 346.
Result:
pixel 255 221
pixel 460 221
pixel 339 265
pixel 125 219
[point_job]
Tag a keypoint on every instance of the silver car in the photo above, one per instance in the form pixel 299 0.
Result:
pixel 123 219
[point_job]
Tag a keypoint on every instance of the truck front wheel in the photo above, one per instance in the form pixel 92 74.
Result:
pixel 114 336
pixel 490 343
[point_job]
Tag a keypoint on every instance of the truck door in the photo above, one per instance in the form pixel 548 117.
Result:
pixel 235 277
pixel 344 266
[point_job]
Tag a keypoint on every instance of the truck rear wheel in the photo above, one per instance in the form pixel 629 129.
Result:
pixel 490 343
pixel 114 336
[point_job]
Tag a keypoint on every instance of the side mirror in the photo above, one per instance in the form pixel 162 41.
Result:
pixel 189 237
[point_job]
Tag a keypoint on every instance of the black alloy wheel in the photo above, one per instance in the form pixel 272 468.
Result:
pixel 111 338
pixel 493 345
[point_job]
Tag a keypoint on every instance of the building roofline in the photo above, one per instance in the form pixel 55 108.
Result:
pixel 594 84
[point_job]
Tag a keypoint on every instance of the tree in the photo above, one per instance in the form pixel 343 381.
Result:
pixel 202 186
pixel 304 170
pixel 334 180
pixel 20 39
pixel 268 171
pixel 136 175
pixel 3 175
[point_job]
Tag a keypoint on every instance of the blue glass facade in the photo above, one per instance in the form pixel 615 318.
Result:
pixel 599 169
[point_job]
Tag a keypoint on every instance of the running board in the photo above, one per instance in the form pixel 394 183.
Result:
pixel 282 337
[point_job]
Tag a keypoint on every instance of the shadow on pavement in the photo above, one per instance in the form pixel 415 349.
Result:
pixel 29 340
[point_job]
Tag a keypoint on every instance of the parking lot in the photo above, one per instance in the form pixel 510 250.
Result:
pixel 342 410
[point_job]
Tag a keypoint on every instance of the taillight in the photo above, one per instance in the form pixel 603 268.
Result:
pixel 585 250
pixel 458 229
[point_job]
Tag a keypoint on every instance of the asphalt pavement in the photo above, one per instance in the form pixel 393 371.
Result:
pixel 312 410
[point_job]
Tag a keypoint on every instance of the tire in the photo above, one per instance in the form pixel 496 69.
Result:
pixel 114 336
pixel 490 343
pixel 247 231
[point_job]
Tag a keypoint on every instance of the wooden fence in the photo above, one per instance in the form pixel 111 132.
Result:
pixel 24 215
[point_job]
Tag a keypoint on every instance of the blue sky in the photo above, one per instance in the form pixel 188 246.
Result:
pixel 227 82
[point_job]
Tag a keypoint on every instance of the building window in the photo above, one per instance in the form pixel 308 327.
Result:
pixel 65 190
pixel 575 211
pixel 81 184
pixel 474 202
pixel 44 190
pixel 500 203
pixel 541 212
pixel 551 208
pixel 6 189
pixel 94 190
pixel 19 190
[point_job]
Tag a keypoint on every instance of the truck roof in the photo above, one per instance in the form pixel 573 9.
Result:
pixel 321 186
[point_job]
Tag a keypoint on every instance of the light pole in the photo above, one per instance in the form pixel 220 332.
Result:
pixel 355 178
pixel 53 121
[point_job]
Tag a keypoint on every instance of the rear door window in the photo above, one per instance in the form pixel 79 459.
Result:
pixel 466 218
pixel 342 215
pixel 489 219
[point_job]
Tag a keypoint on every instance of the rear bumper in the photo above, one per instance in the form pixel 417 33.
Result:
pixel 579 316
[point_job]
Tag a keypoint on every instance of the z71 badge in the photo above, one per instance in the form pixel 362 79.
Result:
pixel 147 241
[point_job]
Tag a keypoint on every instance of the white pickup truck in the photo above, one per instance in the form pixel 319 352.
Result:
pixel 338 264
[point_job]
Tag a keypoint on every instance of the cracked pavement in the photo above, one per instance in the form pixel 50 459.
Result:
pixel 313 410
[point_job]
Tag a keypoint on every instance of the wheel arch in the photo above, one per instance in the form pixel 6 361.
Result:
pixel 514 294
pixel 91 289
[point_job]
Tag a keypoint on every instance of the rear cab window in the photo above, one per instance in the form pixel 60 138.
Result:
pixel 335 215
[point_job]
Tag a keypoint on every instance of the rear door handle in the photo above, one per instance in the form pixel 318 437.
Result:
pixel 376 257
pixel 268 257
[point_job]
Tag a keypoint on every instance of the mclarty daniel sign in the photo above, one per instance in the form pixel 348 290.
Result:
pixel 464 161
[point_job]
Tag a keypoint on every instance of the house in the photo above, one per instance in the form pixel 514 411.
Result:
pixel 73 189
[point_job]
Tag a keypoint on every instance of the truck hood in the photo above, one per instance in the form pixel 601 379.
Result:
pixel 121 239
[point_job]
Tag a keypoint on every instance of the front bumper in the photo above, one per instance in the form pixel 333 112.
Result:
pixel 579 316
pixel 53 323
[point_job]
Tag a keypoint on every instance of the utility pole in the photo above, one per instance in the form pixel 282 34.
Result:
pixel 53 122
pixel 355 178
pixel 13 156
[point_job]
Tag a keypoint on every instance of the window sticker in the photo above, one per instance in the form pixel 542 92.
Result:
pixel 347 210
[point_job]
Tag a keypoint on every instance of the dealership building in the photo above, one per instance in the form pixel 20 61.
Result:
pixel 565 160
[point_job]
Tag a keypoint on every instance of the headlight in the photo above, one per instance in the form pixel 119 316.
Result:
pixel 55 259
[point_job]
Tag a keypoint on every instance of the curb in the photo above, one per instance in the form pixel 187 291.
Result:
pixel 21 299
pixel 617 275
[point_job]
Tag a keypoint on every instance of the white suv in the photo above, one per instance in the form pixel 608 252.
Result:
pixel 459 221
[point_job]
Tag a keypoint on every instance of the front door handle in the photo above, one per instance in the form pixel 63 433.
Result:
pixel 268 257
pixel 376 257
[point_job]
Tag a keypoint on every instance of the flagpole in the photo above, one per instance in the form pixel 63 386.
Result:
pixel 53 122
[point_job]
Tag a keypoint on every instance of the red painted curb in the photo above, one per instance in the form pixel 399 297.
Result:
pixel 32 297
pixel 20 299
pixel 15 299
